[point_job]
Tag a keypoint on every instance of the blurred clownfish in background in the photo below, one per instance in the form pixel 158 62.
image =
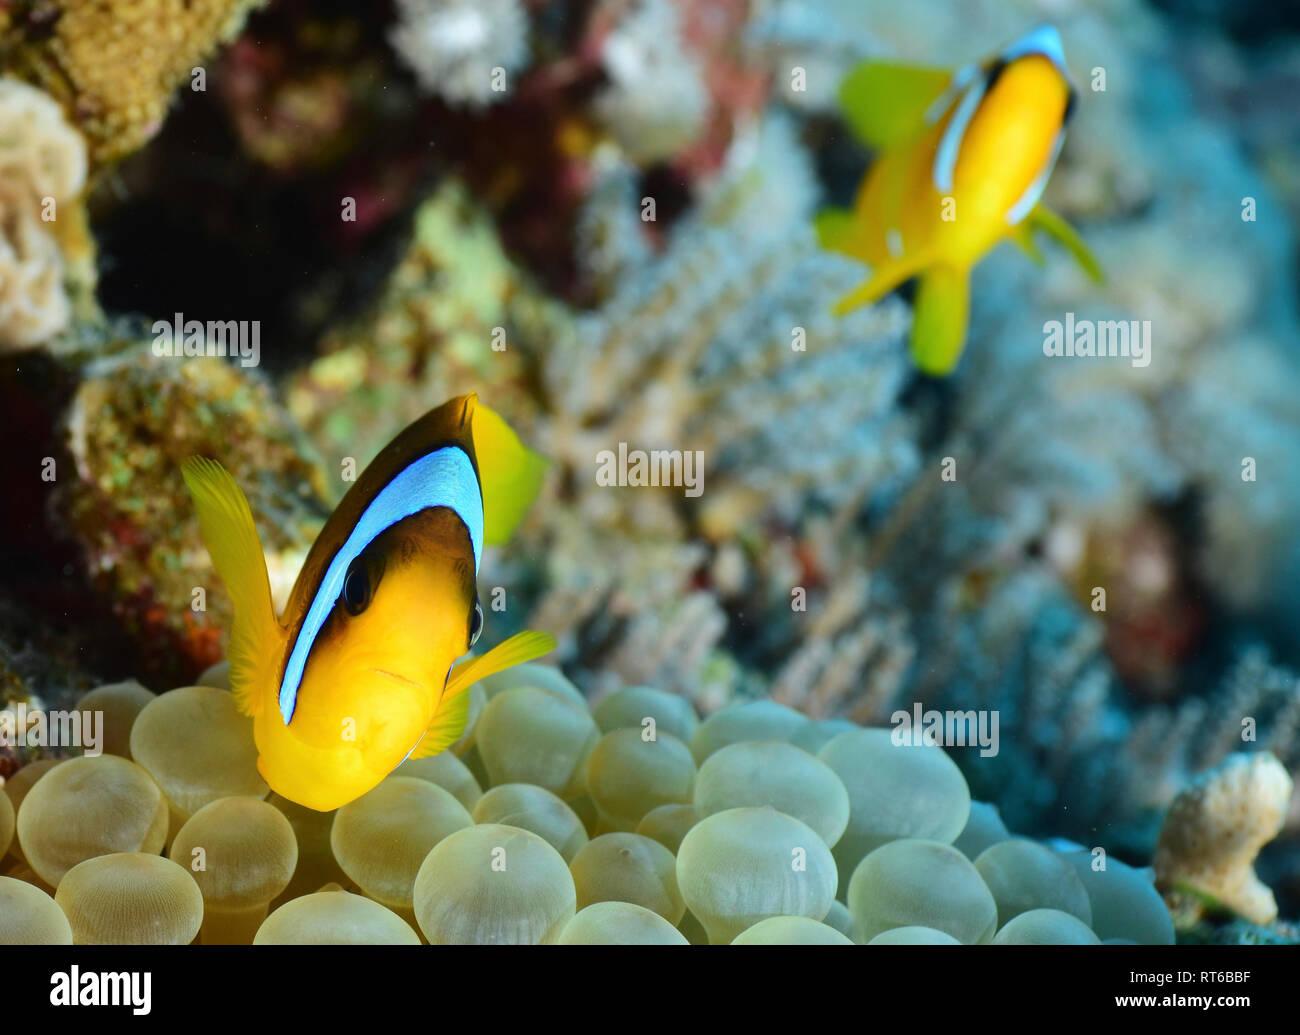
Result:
pixel 964 158
pixel 361 670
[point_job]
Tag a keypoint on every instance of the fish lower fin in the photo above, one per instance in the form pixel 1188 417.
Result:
pixel 885 103
pixel 1043 218
pixel 447 726
pixel 940 314
pixel 521 647
pixel 1023 237
pixel 236 551
pixel 510 474
pixel 453 711
pixel 882 281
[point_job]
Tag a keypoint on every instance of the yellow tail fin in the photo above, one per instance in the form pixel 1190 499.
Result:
pixel 453 711
pixel 509 472
pixel 236 552
pixel 939 317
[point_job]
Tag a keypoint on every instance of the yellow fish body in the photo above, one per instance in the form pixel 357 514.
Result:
pixel 964 158
pixel 360 671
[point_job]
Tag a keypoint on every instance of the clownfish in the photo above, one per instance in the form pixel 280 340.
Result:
pixel 360 671
pixel 964 158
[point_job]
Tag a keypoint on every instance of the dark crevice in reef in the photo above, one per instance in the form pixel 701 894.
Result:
pixel 192 224
pixel 48 603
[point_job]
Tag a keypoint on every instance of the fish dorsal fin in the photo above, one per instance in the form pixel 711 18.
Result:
pixel 453 710
pixel 886 103
pixel 510 474
pixel 236 551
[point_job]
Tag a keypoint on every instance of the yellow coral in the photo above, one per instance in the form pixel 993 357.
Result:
pixel 115 63
pixel 1213 831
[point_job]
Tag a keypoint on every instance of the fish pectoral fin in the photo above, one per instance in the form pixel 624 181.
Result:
pixel 1023 237
pixel 453 710
pixel 940 314
pixel 448 724
pixel 226 523
pixel 521 647
pixel 1043 218
pixel 510 474
pixel 884 279
pixel 885 103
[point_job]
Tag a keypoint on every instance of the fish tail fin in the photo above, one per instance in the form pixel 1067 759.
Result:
pixel 509 472
pixel 940 314
pixel 882 281
pixel 236 551
pixel 453 710
pixel 1043 218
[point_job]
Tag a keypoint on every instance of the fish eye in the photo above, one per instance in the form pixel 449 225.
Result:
pixel 356 588
pixel 475 623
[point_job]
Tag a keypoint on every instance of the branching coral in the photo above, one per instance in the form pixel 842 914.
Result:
pixel 465 51
pixel 722 344
pixel 115 65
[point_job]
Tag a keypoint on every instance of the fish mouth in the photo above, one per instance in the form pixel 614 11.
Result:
pixel 397 678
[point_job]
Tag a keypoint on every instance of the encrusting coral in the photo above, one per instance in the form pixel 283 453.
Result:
pixel 115 65
pixel 1215 829
pixel 133 419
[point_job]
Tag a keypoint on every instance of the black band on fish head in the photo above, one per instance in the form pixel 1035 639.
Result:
pixel 995 70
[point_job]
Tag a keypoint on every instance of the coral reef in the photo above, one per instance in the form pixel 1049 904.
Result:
pixel 133 419
pixel 1213 831
pixel 600 216
pixel 43 237
pixel 114 66
pixel 656 101
pixel 465 51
